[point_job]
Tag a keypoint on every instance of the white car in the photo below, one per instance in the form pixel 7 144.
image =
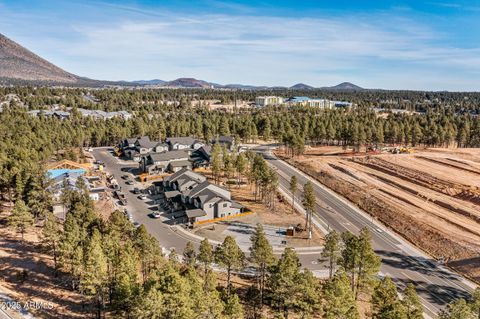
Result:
pixel 156 215
pixel 142 197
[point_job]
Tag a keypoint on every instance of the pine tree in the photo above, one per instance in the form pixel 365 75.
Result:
pixel 95 271
pixel 51 235
pixel 211 303
pixel 230 256
pixel 21 218
pixel 368 263
pixel 457 309
pixel 189 254
pixel 385 301
pixel 475 302
pixel 175 290
pixel 350 256
pixel 261 254
pixel 216 161
pixel 331 250
pixel 233 307
pixel 205 255
pixel 293 189
pixel 283 281
pixel 339 301
pixel 149 305
pixel 411 302
pixel 308 297
pixel 148 250
pixel 309 202
pixel 241 166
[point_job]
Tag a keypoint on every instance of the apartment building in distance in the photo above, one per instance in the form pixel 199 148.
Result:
pixel 262 101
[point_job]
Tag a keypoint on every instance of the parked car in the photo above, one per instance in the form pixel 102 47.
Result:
pixel 129 182
pixel 125 176
pixel 123 202
pixel 136 224
pixel 136 190
pixel 142 197
pixel 155 215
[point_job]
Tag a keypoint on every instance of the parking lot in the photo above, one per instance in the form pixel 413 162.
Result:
pixel 141 208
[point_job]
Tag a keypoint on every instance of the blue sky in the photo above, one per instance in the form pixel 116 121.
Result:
pixel 428 45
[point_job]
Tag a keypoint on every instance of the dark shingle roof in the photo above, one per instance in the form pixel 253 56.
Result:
pixel 195 213
pixel 168 156
pixel 186 140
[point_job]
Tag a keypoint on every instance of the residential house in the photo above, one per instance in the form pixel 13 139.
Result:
pixel 180 143
pixel 199 199
pixel 201 157
pixel 172 161
pixel 134 149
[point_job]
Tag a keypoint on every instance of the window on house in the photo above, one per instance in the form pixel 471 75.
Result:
pixel 225 204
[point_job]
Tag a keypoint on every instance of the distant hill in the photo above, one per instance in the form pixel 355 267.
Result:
pixel 18 63
pixel 189 83
pixel 301 86
pixel 345 86
pixel 149 82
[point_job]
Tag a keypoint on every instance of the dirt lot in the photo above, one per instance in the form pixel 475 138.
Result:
pixel 431 197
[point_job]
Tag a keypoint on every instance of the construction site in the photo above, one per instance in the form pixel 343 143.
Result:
pixel 429 196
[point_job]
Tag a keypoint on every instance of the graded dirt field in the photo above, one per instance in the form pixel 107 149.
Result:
pixel 431 196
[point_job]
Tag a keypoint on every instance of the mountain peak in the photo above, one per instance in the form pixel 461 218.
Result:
pixel 188 83
pixel 301 86
pixel 346 86
pixel 19 63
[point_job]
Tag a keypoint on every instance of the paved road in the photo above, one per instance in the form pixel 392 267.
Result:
pixel 435 284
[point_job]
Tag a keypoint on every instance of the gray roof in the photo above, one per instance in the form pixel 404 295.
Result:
pixel 180 163
pixel 131 140
pixel 197 188
pixel 185 176
pixel 145 142
pixel 207 195
pixel 206 149
pixel 168 156
pixel 185 140
pixel 171 194
pixel 191 213
pixel 175 175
